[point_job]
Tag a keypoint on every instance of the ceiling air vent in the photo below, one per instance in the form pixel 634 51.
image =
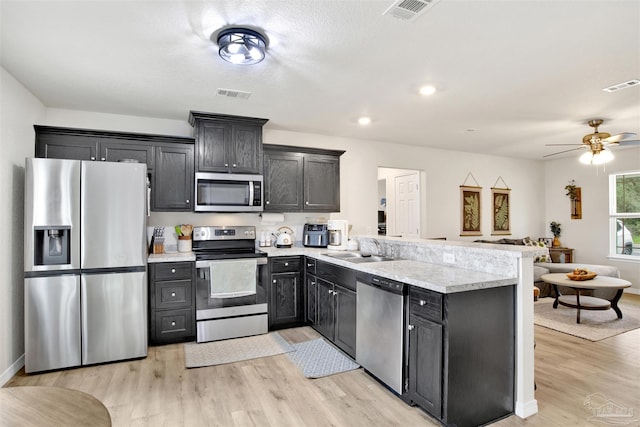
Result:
pixel 230 93
pixel 409 10
pixel 624 85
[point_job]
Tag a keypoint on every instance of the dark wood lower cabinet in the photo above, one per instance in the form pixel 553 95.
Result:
pixel 325 323
pixel 425 364
pixel 335 305
pixel 172 314
pixel 286 298
pixel 461 357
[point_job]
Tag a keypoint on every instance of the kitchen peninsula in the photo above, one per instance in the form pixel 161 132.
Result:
pixel 453 267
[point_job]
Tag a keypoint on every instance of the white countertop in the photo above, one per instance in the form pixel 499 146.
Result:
pixel 439 278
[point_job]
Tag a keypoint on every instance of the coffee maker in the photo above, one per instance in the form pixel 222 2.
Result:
pixel 338 234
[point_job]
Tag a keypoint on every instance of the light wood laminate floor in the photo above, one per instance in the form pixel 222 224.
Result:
pixel 271 391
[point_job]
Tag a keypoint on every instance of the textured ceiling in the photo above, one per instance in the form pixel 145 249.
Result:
pixel 521 73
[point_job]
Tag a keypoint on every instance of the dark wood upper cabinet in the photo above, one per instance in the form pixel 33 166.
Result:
pixel 298 179
pixel 114 150
pixel 173 178
pixel 225 143
pixel 55 145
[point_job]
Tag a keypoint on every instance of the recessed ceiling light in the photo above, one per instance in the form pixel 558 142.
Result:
pixel 427 90
pixel 364 120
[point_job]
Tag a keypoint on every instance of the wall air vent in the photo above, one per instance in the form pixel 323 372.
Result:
pixel 409 10
pixel 624 85
pixel 230 93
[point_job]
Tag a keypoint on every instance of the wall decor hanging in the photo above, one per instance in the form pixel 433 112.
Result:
pixel 501 218
pixel 575 195
pixel 470 208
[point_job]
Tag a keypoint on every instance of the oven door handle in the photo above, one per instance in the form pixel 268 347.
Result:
pixel 207 263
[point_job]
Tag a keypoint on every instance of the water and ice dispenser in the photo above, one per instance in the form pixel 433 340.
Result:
pixel 52 245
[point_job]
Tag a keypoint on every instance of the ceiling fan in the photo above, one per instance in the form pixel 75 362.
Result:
pixel 597 143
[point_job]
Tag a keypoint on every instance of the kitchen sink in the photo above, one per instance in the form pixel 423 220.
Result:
pixel 358 257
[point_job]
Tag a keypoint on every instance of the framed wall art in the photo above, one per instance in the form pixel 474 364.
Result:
pixel 470 211
pixel 500 221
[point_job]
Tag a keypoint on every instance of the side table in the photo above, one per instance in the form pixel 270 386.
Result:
pixel 557 252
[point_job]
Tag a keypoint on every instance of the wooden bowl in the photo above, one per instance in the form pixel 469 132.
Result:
pixel 580 277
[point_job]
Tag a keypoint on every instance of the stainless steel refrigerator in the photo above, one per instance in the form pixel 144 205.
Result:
pixel 85 260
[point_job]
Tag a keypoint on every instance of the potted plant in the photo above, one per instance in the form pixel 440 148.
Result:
pixel 555 230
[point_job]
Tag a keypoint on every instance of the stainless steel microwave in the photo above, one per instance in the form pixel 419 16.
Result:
pixel 226 192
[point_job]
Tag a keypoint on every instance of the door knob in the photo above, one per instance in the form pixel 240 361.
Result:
pixel 411 327
pixel 423 302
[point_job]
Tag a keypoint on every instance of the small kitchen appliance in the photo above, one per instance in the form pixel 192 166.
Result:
pixel 315 235
pixel 284 238
pixel 338 234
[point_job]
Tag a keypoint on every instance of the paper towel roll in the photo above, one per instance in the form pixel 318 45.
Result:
pixel 267 218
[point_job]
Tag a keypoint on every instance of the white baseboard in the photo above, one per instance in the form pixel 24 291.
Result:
pixel 12 370
pixel 526 409
pixel 634 291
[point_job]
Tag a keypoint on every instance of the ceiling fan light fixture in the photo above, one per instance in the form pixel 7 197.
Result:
pixel 241 46
pixel 599 158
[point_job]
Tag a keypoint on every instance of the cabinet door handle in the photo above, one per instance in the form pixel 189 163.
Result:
pixel 93 158
pixel 173 323
pixel 102 159
pixel 423 302
pixel 173 294
pixel 306 203
pixel 313 283
pixel 187 200
pixel 226 165
pixel 173 270
pixel 234 165
pixel 286 264
pixel 267 202
pixel 309 265
pixel 410 327
pixel 330 292
pixel 274 280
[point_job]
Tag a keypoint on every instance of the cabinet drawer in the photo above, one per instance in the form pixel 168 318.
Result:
pixel 310 265
pixel 335 274
pixel 426 304
pixel 173 270
pixel 171 325
pixel 285 264
pixel 173 294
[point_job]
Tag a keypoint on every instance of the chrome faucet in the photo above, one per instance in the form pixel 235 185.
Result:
pixel 378 247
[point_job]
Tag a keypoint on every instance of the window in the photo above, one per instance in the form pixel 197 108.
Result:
pixel 624 214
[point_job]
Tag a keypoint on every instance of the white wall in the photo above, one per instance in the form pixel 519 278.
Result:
pixel 588 236
pixel 19 110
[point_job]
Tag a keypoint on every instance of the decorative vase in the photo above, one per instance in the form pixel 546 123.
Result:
pixel 556 242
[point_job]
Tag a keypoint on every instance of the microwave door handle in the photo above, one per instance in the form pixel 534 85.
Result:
pixel 250 193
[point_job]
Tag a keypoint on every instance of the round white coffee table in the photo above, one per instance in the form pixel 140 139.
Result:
pixel 582 302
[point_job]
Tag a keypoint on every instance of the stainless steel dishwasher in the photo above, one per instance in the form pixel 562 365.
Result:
pixel 380 328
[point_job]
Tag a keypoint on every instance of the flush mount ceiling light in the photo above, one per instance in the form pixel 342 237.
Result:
pixel 364 121
pixel 241 46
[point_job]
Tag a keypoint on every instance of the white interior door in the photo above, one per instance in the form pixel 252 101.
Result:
pixel 407 205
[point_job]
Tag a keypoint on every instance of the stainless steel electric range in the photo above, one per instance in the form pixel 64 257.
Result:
pixel 231 289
